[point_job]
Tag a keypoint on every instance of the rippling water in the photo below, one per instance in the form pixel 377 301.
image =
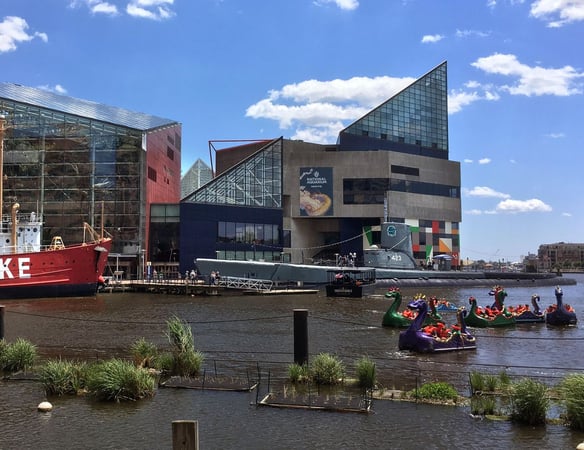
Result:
pixel 248 331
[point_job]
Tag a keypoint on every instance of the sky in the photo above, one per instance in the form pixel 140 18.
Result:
pixel 305 69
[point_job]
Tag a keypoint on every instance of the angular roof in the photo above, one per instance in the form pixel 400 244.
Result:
pixel 82 108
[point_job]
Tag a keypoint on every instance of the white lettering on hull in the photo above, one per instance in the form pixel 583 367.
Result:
pixel 22 266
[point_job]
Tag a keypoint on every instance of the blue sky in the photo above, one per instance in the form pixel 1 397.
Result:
pixel 305 69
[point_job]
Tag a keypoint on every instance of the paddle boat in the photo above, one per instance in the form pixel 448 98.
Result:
pixel 521 313
pixel 437 337
pixel 560 314
pixel 443 305
pixel 394 318
pixel 487 317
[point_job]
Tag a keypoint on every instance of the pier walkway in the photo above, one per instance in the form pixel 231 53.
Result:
pixel 227 285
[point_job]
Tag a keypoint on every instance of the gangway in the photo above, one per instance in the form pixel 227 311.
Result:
pixel 245 283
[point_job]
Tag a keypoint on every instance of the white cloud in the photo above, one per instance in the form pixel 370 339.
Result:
pixel 57 88
pixel 555 135
pixel 431 38
pixel 484 160
pixel 531 80
pixel 150 9
pixel 13 31
pixel 348 5
pixel 319 109
pixel 458 99
pixel 566 214
pixel 473 212
pixel 96 6
pixel 484 191
pixel 468 161
pixel 522 206
pixel 471 33
pixel 558 13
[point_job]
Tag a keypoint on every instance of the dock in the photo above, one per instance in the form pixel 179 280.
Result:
pixel 222 286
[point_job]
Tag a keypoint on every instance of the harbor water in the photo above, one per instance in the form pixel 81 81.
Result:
pixel 250 333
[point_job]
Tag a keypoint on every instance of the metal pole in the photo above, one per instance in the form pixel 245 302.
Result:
pixel 1 322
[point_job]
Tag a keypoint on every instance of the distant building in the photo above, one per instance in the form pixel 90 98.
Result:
pixel 198 175
pixel 560 256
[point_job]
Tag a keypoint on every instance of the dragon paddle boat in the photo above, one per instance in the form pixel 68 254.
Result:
pixel 521 313
pixel 394 318
pixel 488 317
pixel 560 314
pixel 435 338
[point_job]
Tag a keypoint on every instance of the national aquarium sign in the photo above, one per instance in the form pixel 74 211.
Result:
pixel 316 191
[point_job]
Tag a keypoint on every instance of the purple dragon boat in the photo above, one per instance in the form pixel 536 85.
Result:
pixel 436 337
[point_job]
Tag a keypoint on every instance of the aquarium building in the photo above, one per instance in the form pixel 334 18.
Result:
pixel 300 202
pixel 75 161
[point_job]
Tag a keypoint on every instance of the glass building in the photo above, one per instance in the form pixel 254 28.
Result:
pixel 198 175
pixel 327 200
pixel 74 161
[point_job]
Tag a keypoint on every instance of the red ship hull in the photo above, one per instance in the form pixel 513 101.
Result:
pixel 72 271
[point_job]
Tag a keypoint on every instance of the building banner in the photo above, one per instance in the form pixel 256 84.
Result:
pixel 316 191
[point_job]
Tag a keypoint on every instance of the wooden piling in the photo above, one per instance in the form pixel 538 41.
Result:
pixel 185 435
pixel 301 336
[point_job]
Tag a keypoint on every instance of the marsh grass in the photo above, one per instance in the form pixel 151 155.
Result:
pixel 477 382
pixel 18 355
pixel 529 402
pixel 438 391
pixel 483 405
pixel 327 369
pixel 571 391
pixel 118 380
pixel 491 383
pixel 298 373
pixel 366 373
pixel 186 360
pixel 60 377
pixel 143 353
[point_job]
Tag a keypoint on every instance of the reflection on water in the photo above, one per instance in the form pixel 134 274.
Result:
pixel 244 330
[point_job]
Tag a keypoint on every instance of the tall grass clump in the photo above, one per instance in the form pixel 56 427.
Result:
pixel 366 373
pixel 529 402
pixel 477 381
pixel 480 405
pixel 60 377
pixel 572 395
pixel 143 353
pixel 298 373
pixel 186 360
pixel 18 355
pixel 118 380
pixel 437 391
pixel 327 369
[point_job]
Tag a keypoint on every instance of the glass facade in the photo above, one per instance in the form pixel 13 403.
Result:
pixel 418 115
pixel 65 167
pixel 255 182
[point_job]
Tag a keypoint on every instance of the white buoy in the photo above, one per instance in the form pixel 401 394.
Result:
pixel 45 407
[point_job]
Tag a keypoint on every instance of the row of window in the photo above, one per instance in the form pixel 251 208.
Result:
pixel 248 233
pixel 371 191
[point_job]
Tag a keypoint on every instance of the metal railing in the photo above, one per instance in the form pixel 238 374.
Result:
pixel 244 283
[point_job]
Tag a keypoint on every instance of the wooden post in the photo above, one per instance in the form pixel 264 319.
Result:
pixel 1 322
pixel 185 435
pixel 301 336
